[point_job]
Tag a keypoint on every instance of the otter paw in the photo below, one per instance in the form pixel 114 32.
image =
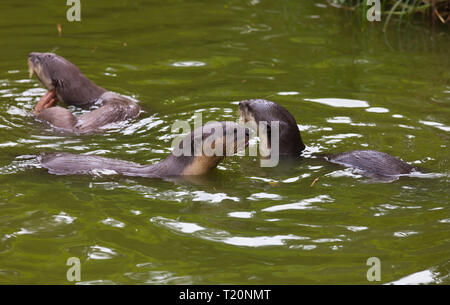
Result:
pixel 48 100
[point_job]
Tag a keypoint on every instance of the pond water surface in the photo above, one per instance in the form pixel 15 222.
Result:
pixel 348 88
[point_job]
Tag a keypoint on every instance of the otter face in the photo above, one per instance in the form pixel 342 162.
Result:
pixel 246 116
pixel 258 110
pixel 50 69
pixel 207 145
pixel 259 114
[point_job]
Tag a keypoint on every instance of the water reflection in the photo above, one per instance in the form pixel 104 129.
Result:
pixel 339 102
pixel 419 278
pixel 184 64
pixel 305 204
pixel 223 236
pixel 100 253
pixel 241 214
pixel 241 223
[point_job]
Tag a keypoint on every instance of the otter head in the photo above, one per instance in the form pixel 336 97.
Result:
pixel 258 114
pixel 206 146
pixel 59 74
pixel 50 69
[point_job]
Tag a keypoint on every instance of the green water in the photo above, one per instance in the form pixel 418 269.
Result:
pixel 239 224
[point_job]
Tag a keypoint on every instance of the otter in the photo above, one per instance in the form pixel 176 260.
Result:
pixel 66 83
pixel 370 163
pixel 192 156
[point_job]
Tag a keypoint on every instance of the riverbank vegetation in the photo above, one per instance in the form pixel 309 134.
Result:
pixel 434 11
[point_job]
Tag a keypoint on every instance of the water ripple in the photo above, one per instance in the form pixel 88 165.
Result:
pixel 223 236
pixel 241 214
pixel 419 278
pixel 100 253
pixel 338 102
pixel 258 196
pixel 305 204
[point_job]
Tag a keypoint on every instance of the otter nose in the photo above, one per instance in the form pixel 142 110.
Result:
pixel 32 56
pixel 243 105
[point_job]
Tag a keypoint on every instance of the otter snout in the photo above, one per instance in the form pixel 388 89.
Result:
pixel 38 64
pixel 243 105
pixel 34 55
pixel 34 58
pixel 34 63
pixel 243 111
pixel 40 58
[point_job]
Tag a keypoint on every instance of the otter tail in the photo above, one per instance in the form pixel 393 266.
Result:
pixel 71 164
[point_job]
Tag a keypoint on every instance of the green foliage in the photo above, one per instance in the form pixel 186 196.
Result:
pixel 435 10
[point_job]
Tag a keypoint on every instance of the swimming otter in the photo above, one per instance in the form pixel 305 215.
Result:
pixel 253 112
pixel 193 155
pixel 66 83
pixel 371 163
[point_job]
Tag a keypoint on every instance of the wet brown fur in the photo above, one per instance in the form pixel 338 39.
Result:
pixel 371 163
pixel 174 165
pixel 73 88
